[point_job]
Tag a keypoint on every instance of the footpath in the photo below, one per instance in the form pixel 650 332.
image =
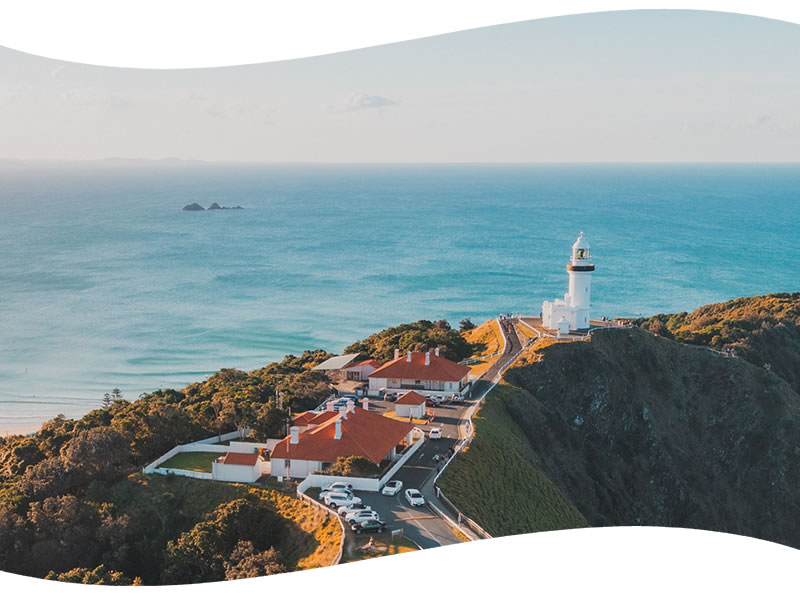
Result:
pixel 480 388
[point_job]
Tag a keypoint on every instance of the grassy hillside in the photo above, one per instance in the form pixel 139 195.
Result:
pixel 485 341
pixel 501 469
pixel 641 430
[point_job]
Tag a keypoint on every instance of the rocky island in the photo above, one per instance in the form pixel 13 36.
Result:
pixel 214 206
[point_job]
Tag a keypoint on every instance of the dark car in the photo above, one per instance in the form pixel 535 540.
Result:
pixel 369 526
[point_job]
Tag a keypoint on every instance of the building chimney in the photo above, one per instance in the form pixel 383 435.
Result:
pixel 294 435
pixel 427 358
pixel 329 406
pixel 365 403
pixel 396 354
pixel 351 406
pixel 437 352
pixel 338 434
pixel 408 358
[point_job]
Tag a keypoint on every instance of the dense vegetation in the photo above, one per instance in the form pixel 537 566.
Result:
pixel 65 510
pixel 764 330
pixel 414 336
pixel 73 506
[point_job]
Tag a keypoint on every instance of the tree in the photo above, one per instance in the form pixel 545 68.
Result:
pixel 110 398
pixel 246 562
pixel 99 576
pixel 353 467
pixel 466 325
pixel 101 453
pixel 268 421
pixel 200 555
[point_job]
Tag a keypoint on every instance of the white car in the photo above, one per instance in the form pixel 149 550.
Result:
pixel 325 493
pixel 415 498
pixel 362 515
pixel 435 434
pixel 340 485
pixel 344 511
pixel 337 499
pixel 391 488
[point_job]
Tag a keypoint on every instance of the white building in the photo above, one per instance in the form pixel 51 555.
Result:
pixel 424 372
pixel 350 432
pixel 411 404
pixel 572 313
pixel 238 466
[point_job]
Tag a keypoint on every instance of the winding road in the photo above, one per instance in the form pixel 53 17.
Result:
pixel 431 525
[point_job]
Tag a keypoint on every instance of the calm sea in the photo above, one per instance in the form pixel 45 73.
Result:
pixel 105 282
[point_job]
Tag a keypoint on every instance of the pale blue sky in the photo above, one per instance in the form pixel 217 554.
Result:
pixel 622 86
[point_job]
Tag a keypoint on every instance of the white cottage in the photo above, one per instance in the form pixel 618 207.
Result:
pixel 244 467
pixel 411 404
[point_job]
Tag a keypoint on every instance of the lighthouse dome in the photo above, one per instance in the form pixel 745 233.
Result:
pixel 580 249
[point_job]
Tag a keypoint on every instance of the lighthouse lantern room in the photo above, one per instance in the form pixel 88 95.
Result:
pixel 576 304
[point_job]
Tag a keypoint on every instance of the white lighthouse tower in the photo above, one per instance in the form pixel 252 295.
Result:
pixel 576 305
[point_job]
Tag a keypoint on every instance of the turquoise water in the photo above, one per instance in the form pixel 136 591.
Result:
pixel 106 283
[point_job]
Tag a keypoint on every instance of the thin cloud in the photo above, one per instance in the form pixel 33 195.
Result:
pixel 363 101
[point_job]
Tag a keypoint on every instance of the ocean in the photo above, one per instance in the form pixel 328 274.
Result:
pixel 105 282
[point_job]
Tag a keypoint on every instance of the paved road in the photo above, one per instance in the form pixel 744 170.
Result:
pixel 421 524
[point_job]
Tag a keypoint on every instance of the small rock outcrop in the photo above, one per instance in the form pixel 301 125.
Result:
pixel 214 206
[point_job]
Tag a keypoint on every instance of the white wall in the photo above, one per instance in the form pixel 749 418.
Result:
pixel 237 473
pixel 297 469
pixel 253 446
pixel 403 410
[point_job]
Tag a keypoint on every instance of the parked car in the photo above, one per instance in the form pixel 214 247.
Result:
pixel 390 397
pixel 339 485
pixel 361 516
pixel 337 499
pixel 415 497
pixel 340 490
pixel 369 526
pixel 344 511
pixel 457 398
pixel 435 433
pixel 431 403
pixel 392 487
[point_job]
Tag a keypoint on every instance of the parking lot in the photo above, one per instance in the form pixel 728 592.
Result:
pixel 419 524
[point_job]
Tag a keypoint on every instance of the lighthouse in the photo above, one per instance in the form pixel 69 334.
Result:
pixel 576 305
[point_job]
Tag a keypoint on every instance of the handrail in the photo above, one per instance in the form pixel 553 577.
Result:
pixel 483 533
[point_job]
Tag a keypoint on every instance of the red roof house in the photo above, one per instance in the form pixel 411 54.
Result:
pixel 353 432
pixel 424 372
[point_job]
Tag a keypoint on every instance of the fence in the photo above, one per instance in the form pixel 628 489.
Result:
pixel 205 445
pixel 462 518
pixel 365 484
pixel 311 502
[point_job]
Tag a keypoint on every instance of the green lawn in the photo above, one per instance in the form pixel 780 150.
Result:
pixel 191 461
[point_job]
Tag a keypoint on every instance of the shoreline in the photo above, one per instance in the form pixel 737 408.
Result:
pixel 21 430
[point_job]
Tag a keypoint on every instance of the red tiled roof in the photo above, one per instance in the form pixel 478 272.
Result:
pixel 241 458
pixel 322 417
pixel 440 368
pixel 304 418
pixel 371 362
pixel 364 434
pixel 411 398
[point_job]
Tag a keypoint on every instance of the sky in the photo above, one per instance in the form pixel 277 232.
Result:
pixel 641 86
